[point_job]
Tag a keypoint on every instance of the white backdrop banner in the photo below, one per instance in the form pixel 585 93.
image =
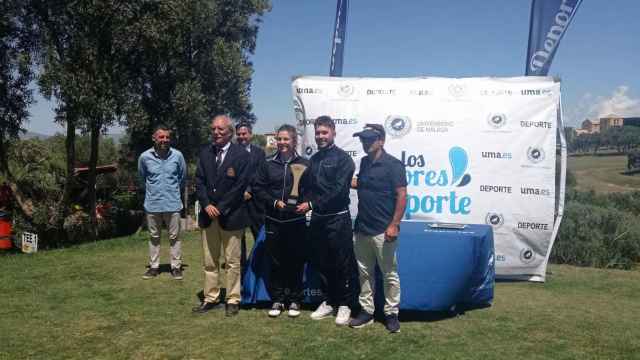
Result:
pixel 476 150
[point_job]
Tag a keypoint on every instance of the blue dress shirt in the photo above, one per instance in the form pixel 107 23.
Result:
pixel 163 178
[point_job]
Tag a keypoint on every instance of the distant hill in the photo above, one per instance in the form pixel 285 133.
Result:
pixel 116 137
pixel 33 135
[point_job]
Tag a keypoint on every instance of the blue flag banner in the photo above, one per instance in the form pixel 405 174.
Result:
pixel 549 21
pixel 339 37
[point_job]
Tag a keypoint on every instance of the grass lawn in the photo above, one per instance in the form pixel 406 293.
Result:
pixel 602 173
pixel 89 302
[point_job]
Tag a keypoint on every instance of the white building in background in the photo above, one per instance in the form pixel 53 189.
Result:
pixel 598 125
pixel 271 143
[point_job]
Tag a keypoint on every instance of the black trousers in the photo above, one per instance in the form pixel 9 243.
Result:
pixel 287 246
pixel 256 220
pixel 332 255
pixel 256 216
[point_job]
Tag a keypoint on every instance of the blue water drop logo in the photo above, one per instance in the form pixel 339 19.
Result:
pixel 459 161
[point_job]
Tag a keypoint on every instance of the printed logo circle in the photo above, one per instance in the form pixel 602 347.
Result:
pixel 457 90
pixel 497 120
pixel 527 255
pixel 397 126
pixel 308 150
pixel 494 219
pixel 535 154
pixel 345 90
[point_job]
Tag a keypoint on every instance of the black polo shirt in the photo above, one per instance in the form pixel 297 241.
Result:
pixel 377 184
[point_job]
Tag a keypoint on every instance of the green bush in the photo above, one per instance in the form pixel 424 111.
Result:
pixel 39 169
pixel 628 202
pixel 78 228
pixel 126 221
pixel 129 200
pixel 571 179
pixel 126 213
pixel 599 231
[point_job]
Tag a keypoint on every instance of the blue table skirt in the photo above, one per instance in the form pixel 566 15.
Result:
pixel 439 269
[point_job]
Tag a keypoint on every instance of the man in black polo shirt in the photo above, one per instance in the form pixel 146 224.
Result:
pixel 382 196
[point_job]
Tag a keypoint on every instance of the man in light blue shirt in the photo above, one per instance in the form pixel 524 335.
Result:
pixel 163 170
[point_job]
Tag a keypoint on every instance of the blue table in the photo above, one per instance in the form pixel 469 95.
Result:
pixel 439 269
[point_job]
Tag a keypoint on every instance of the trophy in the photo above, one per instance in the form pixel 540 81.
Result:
pixel 293 199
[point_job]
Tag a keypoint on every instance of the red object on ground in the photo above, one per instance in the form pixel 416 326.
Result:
pixel 5 233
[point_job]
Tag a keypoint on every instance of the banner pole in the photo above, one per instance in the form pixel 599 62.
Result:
pixel 339 38
pixel 562 187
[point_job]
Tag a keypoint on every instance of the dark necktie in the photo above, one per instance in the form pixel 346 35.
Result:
pixel 218 157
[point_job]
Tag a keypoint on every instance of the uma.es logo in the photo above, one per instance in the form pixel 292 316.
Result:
pixel 535 92
pixel 497 155
pixel 308 90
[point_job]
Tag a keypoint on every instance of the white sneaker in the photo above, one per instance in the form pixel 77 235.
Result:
pixel 323 311
pixel 344 315
pixel 294 310
pixel 276 309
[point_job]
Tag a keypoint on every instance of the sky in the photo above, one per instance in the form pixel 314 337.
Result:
pixel 597 59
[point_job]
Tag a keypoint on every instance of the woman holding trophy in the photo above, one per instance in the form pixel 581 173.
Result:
pixel 280 185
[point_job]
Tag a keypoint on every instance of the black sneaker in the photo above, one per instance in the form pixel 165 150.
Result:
pixel 276 309
pixel 392 323
pixel 151 273
pixel 363 319
pixel 176 273
pixel 294 310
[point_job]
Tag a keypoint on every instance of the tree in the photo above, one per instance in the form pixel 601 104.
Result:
pixel 140 63
pixel 570 138
pixel 37 168
pixel 594 141
pixel 84 69
pixel 190 62
pixel 16 44
pixel 630 137
pixel 259 140
pixel 612 137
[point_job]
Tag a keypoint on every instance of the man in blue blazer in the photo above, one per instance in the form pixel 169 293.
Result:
pixel 221 178
pixel 244 134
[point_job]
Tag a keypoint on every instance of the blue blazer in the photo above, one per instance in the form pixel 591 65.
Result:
pixel 223 187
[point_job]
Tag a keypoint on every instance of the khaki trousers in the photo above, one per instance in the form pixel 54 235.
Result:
pixel 214 240
pixel 154 223
pixel 369 250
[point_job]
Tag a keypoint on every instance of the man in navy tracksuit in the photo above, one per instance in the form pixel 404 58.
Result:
pixel 331 233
